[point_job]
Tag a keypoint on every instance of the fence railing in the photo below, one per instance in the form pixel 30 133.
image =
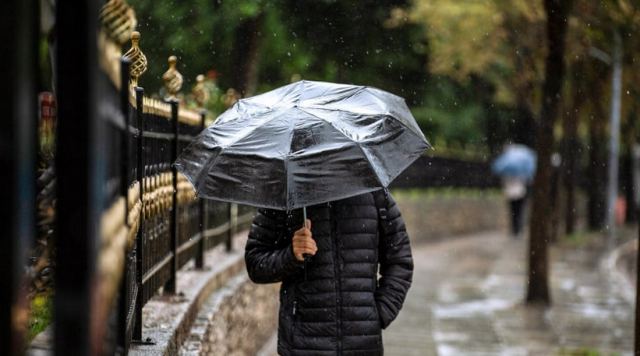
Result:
pixel 163 225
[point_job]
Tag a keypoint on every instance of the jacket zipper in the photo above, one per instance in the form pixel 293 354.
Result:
pixel 294 318
pixel 337 273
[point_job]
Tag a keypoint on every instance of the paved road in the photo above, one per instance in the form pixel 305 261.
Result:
pixel 467 297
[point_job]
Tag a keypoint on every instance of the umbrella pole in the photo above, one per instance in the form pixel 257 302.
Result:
pixel 306 256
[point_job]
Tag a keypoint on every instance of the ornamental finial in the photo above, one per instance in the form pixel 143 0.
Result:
pixel 137 58
pixel 200 93
pixel 118 20
pixel 172 80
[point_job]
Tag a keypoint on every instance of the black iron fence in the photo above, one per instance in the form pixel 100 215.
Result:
pixel 145 222
pixel 126 220
pixel 168 227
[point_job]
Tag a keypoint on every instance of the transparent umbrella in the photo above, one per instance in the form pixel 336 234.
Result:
pixel 303 144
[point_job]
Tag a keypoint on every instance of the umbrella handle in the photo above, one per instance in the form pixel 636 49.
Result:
pixel 306 256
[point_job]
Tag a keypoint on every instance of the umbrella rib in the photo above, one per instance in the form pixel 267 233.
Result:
pixel 287 183
pixel 205 169
pixel 366 156
pixel 351 112
pixel 403 100
pixel 360 147
pixel 248 133
pixel 213 160
pixel 358 90
pixel 300 89
pixel 283 96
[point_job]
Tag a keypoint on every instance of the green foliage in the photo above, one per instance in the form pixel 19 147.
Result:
pixel 494 39
pixel 579 239
pixel 376 43
pixel 41 314
pixel 416 194
pixel 449 110
pixel 181 28
pixel 584 352
pixel 353 42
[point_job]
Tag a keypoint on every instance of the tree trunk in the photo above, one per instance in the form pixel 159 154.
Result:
pixel 626 171
pixel 596 177
pixel 630 170
pixel 571 151
pixel 555 202
pixel 631 133
pixel 523 128
pixel 570 167
pixel 245 56
pixel 525 125
pixel 636 347
pixel 614 139
pixel 540 229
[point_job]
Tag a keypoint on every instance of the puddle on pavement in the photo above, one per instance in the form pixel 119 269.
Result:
pixel 469 309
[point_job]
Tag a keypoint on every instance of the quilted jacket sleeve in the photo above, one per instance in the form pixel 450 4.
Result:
pixel 396 264
pixel 268 253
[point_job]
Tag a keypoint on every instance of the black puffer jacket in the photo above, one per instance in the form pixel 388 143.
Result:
pixel 342 306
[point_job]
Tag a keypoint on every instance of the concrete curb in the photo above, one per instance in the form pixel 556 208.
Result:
pixel 619 278
pixel 167 320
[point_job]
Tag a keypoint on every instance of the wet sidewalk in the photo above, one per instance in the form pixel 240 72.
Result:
pixel 467 299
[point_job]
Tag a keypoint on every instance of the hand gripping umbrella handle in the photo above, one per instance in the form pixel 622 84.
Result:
pixel 306 256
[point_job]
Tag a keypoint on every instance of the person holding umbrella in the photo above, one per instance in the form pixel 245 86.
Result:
pixel 342 306
pixel 516 165
pixel 316 159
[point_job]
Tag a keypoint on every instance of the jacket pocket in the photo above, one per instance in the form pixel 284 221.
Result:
pixel 377 313
pixel 379 340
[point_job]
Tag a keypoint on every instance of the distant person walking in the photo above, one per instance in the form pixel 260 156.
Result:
pixel 515 189
pixel 516 166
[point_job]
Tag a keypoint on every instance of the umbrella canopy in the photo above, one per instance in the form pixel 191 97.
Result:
pixel 302 144
pixel 515 161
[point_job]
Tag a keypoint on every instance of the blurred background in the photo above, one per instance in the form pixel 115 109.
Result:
pixel 557 76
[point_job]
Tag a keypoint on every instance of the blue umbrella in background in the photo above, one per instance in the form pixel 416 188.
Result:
pixel 515 161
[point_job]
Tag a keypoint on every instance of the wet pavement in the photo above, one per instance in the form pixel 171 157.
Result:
pixel 467 299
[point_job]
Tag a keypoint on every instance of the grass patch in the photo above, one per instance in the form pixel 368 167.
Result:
pixel 578 239
pixel 41 314
pixel 439 193
pixel 584 352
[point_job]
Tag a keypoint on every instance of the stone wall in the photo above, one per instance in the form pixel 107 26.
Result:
pixel 236 320
pixel 434 214
pixel 217 310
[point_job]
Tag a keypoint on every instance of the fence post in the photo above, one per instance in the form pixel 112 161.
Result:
pixel 203 212
pixel 137 329
pixel 636 333
pixel 170 286
pixel 17 159
pixel 80 169
pixel 233 225
pixel 124 176
pixel 124 154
